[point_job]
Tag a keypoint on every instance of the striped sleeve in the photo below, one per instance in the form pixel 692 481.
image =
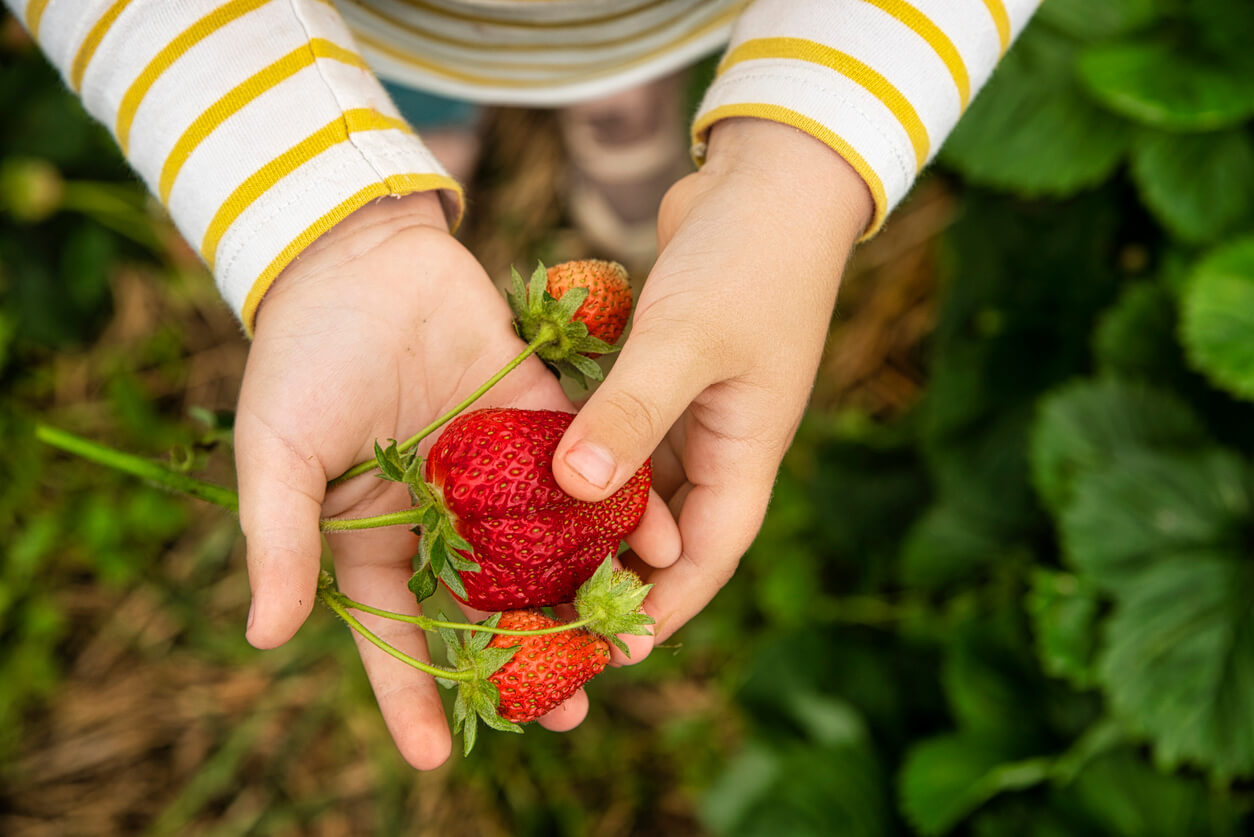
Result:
pixel 255 121
pixel 882 82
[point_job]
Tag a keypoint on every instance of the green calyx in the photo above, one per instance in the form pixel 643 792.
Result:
pixel 609 603
pixel 440 547
pixel 565 340
pixel 477 696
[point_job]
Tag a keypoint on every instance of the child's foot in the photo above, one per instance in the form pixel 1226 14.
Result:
pixel 625 151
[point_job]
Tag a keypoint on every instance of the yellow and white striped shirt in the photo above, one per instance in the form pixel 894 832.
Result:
pixel 261 123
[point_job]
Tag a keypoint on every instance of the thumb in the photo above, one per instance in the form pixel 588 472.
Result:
pixel 658 374
pixel 280 502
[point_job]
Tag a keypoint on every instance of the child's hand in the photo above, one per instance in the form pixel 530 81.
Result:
pixel 728 335
pixel 383 324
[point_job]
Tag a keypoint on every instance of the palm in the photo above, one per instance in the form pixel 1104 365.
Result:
pixel 372 348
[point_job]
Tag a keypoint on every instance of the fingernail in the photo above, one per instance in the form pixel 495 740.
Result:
pixel 592 462
pixel 249 626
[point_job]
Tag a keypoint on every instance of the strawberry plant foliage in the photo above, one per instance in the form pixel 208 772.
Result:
pixel 1184 178
pixel 1167 535
pixel 1032 129
pixel 1082 425
pixel 1156 83
pixel 1177 659
pixel 1219 317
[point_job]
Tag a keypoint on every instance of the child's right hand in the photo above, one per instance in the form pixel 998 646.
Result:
pixel 383 324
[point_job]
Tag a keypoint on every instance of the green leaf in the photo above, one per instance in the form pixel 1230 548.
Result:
pixel 1164 86
pixel 775 788
pixel 1177 664
pixel 537 288
pixel 1123 796
pixel 990 683
pixel 422 583
pixel 389 461
pixel 1135 338
pixel 490 660
pixel 517 295
pixel 1087 20
pixel 1032 130
pixel 1080 427
pixel 1189 181
pixel 1144 505
pixel 947 544
pixel 947 778
pixel 1064 612
pixel 452 580
pixel 569 303
pixel 1218 321
pixel 586 366
pixel 479 640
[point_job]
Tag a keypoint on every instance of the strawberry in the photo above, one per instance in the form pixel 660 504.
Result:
pixel 491 472
pixel 546 669
pixel 608 305
pixel 571 313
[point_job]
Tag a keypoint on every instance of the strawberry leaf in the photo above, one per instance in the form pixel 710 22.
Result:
pixel 1064 610
pixel 413 478
pixel 1165 85
pixel 947 778
pixel 1177 659
pixel 610 602
pixel 586 366
pixel 1032 129
pixel 569 304
pixel 431 519
pixel 1081 427
pixel 1185 181
pixel 452 580
pixel 422 583
pixel 1219 318
pixel 588 343
pixel 1144 504
pixel 478 640
pixel 537 294
pixel 389 461
pixel 490 660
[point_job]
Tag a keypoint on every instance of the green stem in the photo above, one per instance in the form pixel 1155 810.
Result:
pixel 137 466
pixel 411 517
pixel 428 624
pixel 177 481
pixel 547 335
pixel 329 599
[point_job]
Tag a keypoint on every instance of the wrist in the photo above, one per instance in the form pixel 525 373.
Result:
pixel 356 235
pixel 794 165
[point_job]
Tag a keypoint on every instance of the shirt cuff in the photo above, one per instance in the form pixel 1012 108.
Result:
pixel 880 82
pixel 257 124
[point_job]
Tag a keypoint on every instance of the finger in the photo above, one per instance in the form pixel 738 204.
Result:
pixel 281 488
pixel 568 715
pixel 668 470
pixel 717 524
pixel 373 568
pixel 656 538
pixel 650 386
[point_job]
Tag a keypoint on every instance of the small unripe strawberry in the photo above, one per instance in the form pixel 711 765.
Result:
pixel 608 306
pixel 546 669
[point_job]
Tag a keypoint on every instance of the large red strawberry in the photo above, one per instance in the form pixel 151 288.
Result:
pixel 608 305
pixel 546 669
pixel 492 471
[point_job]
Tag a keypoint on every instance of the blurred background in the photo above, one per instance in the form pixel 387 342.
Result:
pixel 1004 587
